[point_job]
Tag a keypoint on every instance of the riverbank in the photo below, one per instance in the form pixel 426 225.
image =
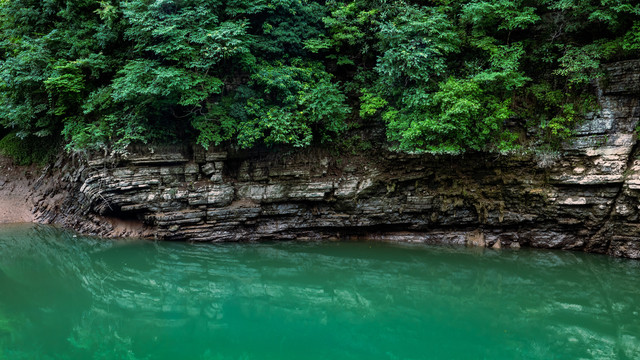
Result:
pixel 584 196
pixel 15 192
pixel 45 195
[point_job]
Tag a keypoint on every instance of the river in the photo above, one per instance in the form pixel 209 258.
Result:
pixel 64 296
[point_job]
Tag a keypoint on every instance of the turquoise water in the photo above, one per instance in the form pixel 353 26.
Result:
pixel 66 297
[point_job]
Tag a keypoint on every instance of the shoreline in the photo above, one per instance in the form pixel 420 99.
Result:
pixel 15 193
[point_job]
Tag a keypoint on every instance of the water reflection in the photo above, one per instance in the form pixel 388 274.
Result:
pixel 77 298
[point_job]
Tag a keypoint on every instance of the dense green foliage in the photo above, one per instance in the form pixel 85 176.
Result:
pixel 443 76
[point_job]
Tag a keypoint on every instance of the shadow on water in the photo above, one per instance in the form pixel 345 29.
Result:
pixel 66 297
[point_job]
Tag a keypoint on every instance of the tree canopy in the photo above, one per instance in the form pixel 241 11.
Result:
pixel 442 76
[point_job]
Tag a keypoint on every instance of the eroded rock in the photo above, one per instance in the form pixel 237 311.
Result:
pixel 586 198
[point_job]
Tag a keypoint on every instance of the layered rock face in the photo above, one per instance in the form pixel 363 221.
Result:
pixel 586 198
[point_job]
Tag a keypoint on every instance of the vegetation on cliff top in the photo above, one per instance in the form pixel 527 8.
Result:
pixel 442 76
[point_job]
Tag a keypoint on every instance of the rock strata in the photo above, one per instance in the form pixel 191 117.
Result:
pixel 586 197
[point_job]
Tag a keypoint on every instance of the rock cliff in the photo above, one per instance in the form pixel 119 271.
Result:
pixel 586 197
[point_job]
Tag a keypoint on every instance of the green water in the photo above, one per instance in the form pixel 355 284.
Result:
pixel 66 297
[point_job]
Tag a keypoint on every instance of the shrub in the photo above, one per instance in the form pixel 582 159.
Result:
pixel 30 150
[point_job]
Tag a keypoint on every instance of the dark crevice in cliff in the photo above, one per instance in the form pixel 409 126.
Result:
pixel 602 239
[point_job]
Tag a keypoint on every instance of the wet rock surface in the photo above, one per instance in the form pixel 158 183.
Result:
pixel 587 198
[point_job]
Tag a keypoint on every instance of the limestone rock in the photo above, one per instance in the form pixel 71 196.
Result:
pixel 587 197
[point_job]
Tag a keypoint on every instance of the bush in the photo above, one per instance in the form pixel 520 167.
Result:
pixel 30 150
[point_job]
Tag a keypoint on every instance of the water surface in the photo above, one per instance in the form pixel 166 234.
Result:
pixel 68 297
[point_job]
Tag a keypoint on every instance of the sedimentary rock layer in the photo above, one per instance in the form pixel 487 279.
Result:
pixel 584 197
